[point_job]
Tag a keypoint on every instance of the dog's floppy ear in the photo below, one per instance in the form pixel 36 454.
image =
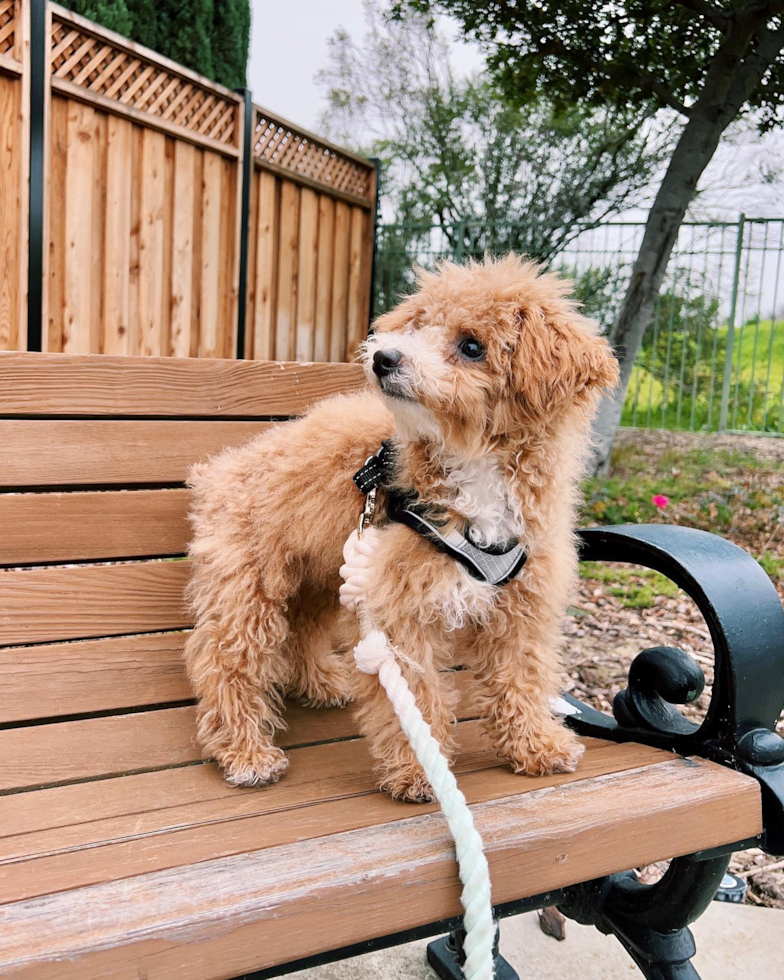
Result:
pixel 558 360
pixel 588 360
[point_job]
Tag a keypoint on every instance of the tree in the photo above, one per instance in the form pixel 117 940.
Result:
pixel 113 14
pixel 230 40
pixel 455 150
pixel 459 157
pixel 709 61
pixel 184 33
pixel 212 37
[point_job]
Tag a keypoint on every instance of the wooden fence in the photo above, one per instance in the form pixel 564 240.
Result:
pixel 310 247
pixel 143 216
pixel 144 234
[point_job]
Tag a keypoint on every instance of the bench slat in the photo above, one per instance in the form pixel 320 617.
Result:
pixel 79 526
pixel 232 822
pixel 97 384
pixel 256 910
pixel 51 453
pixel 72 750
pixel 79 602
pixel 119 672
pixel 92 675
pixel 67 817
pixel 90 747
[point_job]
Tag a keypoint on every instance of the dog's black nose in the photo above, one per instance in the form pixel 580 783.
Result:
pixel 385 362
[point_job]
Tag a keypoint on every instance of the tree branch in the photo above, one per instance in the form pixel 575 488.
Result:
pixel 668 98
pixel 770 45
pixel 715 15
pixel 555 48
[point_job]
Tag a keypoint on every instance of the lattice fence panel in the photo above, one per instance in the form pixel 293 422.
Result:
pixel 126 76
pixel 275 141
pixel 10 10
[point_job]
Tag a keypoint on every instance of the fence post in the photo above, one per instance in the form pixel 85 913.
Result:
pixel 460 243
pixel 246 175
pixel 374 256
pixel 727 381
pixel 35 258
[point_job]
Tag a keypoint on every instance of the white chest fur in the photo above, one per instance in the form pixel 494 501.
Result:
pixel 482 496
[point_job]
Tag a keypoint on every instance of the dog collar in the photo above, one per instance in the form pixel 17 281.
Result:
pixel 376 471
pixel 490 565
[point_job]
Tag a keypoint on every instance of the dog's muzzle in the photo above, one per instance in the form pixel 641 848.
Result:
pixel 385 362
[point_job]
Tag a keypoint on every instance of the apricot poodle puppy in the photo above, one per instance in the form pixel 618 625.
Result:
pixel 483 385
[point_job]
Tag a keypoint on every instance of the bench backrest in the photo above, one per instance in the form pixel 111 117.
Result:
pixel 94 451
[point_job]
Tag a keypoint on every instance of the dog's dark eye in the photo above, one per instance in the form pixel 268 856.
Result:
pixel 471 348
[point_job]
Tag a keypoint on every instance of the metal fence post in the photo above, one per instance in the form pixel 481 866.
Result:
pixel 246 175
pixel 374 257
pixel 727 381
pixel 35 257
pixel 460 242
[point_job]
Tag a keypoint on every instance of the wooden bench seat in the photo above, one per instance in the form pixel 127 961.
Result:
pixel 122 852
pixel 187 870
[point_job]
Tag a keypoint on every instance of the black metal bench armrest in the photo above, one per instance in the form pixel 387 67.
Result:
pixel 746 622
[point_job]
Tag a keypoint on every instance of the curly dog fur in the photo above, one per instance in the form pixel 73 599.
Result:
pixel 498 441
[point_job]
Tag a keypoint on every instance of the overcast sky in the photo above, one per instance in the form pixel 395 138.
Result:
pixel 289 45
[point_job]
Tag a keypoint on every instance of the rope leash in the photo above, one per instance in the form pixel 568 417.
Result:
pixel 375 655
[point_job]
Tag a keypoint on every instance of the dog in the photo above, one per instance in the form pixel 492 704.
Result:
pixel 483 385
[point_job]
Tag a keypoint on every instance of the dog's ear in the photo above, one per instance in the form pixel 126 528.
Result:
pixel 408 311
pixel 558 360
pixel 586 357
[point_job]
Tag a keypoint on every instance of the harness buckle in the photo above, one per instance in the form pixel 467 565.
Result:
pixel 366 517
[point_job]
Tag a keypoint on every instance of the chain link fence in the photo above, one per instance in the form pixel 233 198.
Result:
pixel 713 357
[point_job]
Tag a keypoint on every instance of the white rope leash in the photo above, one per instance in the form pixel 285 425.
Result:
pixel 375 655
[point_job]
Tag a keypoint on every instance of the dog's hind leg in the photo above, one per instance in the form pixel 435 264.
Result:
pixel 236 663
pixel 319 650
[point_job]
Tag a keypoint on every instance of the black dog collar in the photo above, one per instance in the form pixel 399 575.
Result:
pixel 485 564
pixel 377 471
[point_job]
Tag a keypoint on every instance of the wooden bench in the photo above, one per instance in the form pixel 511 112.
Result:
pixel 123 854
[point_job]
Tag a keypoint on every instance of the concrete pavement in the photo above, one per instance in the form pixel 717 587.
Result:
pixel 733 941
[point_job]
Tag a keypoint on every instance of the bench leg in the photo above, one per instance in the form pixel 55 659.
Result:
pixel 446 957
pixel 651 921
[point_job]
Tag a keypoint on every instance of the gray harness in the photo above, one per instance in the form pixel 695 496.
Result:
pixel 495 566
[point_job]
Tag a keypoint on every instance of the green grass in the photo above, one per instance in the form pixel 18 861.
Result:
pixel 636 588
pixel 772 564
pixel 755 394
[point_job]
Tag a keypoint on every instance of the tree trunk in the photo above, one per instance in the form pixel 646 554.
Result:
pixel 693 153
pixel 729 82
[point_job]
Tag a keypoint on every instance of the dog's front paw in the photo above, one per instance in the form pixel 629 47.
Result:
pixel 254 769
pixel 558 750
pixel 409 785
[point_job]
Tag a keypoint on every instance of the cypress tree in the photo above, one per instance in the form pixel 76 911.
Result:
pixel 185 33
pixel 145 26
pixel 230 41
pixel 113 14
pixel 210 37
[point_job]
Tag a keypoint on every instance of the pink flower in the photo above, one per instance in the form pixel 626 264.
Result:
pixel 660 501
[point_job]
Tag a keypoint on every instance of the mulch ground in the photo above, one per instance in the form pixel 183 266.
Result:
pixel 731 483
